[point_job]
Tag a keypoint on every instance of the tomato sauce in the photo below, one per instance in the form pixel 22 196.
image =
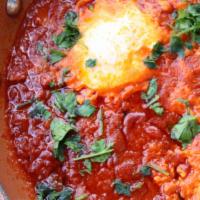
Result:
pixel 139 135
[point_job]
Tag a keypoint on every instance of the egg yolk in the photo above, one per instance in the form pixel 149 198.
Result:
pixel 117 35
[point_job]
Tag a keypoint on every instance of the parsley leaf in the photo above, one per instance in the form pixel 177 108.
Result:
pixel 73 143
pixel 85 110
pixel 91 63
pixel 158 50
pixel 100 152
pixel 39 111
pixel 145 170
pixel 56 56
pixel 46 193
pixel 122 188
pixel 66 102
pixel 59 130
pixel 177 46
pixel 68 38
pixel 88 167
pixel 151 98
pixel 186 129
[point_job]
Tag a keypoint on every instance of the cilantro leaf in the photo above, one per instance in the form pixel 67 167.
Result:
pixel 73 143
pixel 46 193
pixel 66 102
pixel 85 110
pixel 122 188
pixel 151 98
pixel 91 63
pixel 145 170
pixel 151 91
pixel 56 56
pixel 100 152
pixel 88 167
pixel 186 129
pixel 68 38
pixel 177 46
pixel 158 50
pixel 39 111
pixel 59 130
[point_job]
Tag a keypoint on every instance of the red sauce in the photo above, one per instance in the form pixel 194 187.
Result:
pixel 138 134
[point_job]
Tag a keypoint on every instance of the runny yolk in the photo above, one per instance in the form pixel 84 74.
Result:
pixel 118 35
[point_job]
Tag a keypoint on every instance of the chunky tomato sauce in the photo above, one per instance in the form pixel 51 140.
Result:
pixel 138 134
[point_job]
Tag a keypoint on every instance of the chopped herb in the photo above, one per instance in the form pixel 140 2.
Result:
pixel 91 7
pixel 145 170
pixel 88 167
pixel 64 73
pixel 151 98
pixel 73 143
pixel 122 188
pixel 186 129
pixel 100 119
pixel 44 193
pixel 91 63
pixel 85 110
pixel 100 152
pixel 158 50
pixel 66 102
pixel 82 197
pixel 26 103
pixel 39 111
pixel 68 38
pixel 56 56
pixel 186 23
pixel 59 130
pixel 52 84
pixel 177 46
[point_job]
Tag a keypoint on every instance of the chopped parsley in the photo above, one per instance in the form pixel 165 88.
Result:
pixel 145 170
pixel 91 63
pixel 39 111
pixel 186 23
pixel 122 188
pixel 158 50
pixel 151 98
pixel 66 102
pixel 100 152
pixel 186 129
pixel 73 142
pixel 85 110
pixel 59 131
pixel 88 167
pixel 52 84
pixel 68 38
pixel 26 103
pixel 45 192
pixel 55 56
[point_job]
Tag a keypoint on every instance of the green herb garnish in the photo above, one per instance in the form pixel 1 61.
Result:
pixel 145 170
pixel 56 56
pixel 68 38
pixel 85 110
pixel 88 167
pixel 91 63
pixel 158 50
pixel 151 98
pixel 26 103
pixel 39 111
pixel 59 131
pixel 44 192
pixel 100 152
pixel 122 188
pixel 73 142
